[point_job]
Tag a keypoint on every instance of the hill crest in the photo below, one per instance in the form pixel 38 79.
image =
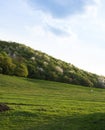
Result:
pixel 20 60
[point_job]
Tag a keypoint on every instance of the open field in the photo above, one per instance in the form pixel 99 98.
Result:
pixel 45 105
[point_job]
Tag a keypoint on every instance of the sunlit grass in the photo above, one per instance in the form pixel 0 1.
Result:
pixel 44 105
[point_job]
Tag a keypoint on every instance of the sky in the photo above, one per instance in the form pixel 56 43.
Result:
pixel 70 30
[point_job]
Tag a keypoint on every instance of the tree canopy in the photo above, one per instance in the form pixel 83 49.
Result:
pixel 20 60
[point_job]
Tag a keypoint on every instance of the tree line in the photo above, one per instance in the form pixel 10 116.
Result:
pixel 20 60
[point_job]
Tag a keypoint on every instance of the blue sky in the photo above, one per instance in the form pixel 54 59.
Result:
pixel 71 30
pixel 60 8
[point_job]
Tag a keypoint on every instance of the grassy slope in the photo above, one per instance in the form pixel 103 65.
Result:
pixel 44 105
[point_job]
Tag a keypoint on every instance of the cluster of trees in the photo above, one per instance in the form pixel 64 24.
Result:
pixel 7 66
pixel 20 60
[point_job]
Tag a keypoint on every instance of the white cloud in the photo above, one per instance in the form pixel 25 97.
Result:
pixel 83 46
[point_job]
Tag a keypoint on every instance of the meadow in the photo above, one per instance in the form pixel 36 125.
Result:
pixel 45 105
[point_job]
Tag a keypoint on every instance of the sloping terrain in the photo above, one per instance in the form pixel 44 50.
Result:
pixel 45 105
pixel 20 60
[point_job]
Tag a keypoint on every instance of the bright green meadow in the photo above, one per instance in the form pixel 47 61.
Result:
pixel 45 105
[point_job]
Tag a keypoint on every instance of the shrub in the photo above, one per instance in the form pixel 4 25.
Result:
pixel 21 70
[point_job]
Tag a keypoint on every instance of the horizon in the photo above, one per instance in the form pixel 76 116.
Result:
pixel 72 31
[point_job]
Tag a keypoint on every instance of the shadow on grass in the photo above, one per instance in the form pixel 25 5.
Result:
pixel 33 80
pixel 42 121
pixel 94 121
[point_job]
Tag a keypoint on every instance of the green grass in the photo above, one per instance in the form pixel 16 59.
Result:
pixel 45 105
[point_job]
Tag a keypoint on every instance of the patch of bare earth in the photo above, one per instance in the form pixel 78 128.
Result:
pixel 4 107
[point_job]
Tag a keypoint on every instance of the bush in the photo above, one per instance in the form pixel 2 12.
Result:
pixel 21 70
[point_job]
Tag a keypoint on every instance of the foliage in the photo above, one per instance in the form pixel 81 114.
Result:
pixel 6 64
pixel 21 70
pixel 18 59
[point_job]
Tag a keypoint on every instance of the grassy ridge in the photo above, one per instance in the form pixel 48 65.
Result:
pixel 44 105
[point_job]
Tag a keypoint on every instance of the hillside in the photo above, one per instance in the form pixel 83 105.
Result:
pixel 20 60
pixel 46 105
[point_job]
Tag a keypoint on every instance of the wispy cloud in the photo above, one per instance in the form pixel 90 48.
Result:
pixel 72 30
pixel 57 31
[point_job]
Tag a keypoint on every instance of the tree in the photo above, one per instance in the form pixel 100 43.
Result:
pixel 21 70
pixel 101 82
pixel 6 64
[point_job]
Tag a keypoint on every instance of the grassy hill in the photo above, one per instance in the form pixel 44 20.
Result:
pixel 20 60
pixel 46 105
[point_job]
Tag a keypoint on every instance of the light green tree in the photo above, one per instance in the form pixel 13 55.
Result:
pixel 21 70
